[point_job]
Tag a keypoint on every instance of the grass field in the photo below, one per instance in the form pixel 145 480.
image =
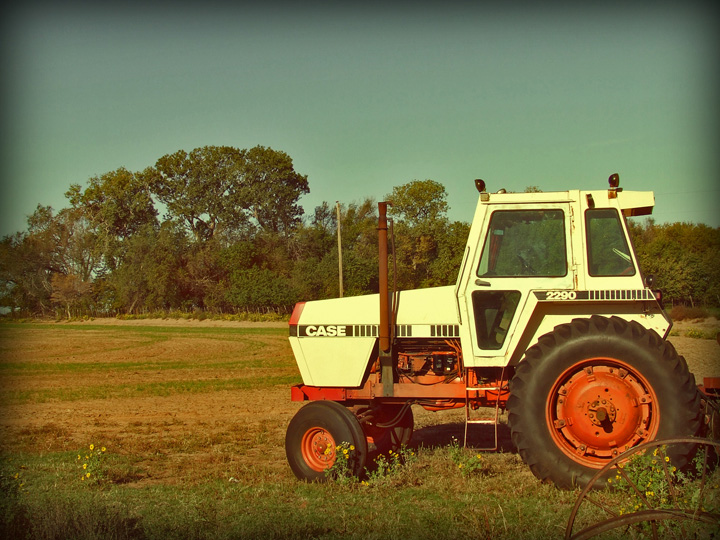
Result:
pixel 192 422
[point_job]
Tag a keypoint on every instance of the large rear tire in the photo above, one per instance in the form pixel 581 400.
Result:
pixel 314 435
pixel 592 389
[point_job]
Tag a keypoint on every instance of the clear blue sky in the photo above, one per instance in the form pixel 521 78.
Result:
pixel 367 98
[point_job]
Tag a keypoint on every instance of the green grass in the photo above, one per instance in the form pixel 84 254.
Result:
pixel 431 501
pixel 223 479
pixel 146 389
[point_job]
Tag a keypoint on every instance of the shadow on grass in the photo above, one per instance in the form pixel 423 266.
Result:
pixel 480 436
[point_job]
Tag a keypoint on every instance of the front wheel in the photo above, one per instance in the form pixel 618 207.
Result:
pixel 591 390
pixel 314 435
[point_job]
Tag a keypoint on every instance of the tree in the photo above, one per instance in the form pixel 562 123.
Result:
pixel 24 275
pixel 117 205
pixel 418 203
pixel 682 257
pixel 54 245
pixel 272 189
pixel 202 189
pixel 420 208
pixel 258 288
pixel 69 291
pixel 220 189
pixel 153 274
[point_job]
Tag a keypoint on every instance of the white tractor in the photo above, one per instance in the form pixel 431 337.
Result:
pixel 550 319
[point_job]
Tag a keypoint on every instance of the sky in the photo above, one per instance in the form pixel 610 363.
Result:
pixel 367 98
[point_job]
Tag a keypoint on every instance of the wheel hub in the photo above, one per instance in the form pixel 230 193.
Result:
pixel 318 449
pixel 602 412
pixel 600 409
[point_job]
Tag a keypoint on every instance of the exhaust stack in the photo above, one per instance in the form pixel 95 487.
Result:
pixel 384 329
pixel 386 372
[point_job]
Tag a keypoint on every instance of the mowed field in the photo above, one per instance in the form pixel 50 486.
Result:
pixel 193 417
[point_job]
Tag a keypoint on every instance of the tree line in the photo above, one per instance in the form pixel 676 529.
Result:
pixel 221 230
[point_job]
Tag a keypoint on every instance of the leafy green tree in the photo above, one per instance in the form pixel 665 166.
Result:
pixel 153 274
pixel 682 257
pixel 253 289
pixel 60 244
pixel 25 275
pixel 450 252
pixel 70 292
pixel 217 189
pixel 419 203
pixel 202 189
pixel 422 238
pixel 272 189
pixel 117 205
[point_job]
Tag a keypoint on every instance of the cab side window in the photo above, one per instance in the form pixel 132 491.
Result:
pixel 608 250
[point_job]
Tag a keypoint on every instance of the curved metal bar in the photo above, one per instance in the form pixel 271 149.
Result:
pixel 641 516
pixel 644 515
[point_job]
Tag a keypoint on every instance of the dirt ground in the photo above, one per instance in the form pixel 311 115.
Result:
pixel 170 439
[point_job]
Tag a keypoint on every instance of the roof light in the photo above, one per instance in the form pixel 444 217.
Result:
pixel 614 182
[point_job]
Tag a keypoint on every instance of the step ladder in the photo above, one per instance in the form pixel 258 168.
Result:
pixel 486 421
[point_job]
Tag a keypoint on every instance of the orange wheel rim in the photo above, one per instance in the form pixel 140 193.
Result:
pixel 318 449
pixel 599 408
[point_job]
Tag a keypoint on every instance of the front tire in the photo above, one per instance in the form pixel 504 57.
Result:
pixel 315 433
pixel 592 389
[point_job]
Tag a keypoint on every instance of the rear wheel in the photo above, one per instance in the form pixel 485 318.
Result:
pixel 314 435
pixel 594 388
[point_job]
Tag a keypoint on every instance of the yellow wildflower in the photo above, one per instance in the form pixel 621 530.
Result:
pixel 667 459
pixel 102 449
pixel 87 474
pixel 352 447
pixel 84 465
pixel 92 447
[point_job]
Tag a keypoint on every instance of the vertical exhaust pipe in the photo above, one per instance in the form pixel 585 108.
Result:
pixel 386 372
pixel 383 278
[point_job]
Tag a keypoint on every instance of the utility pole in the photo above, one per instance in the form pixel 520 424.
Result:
pixel 340 273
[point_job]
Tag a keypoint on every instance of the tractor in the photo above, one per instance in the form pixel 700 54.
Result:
pixel 550 319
